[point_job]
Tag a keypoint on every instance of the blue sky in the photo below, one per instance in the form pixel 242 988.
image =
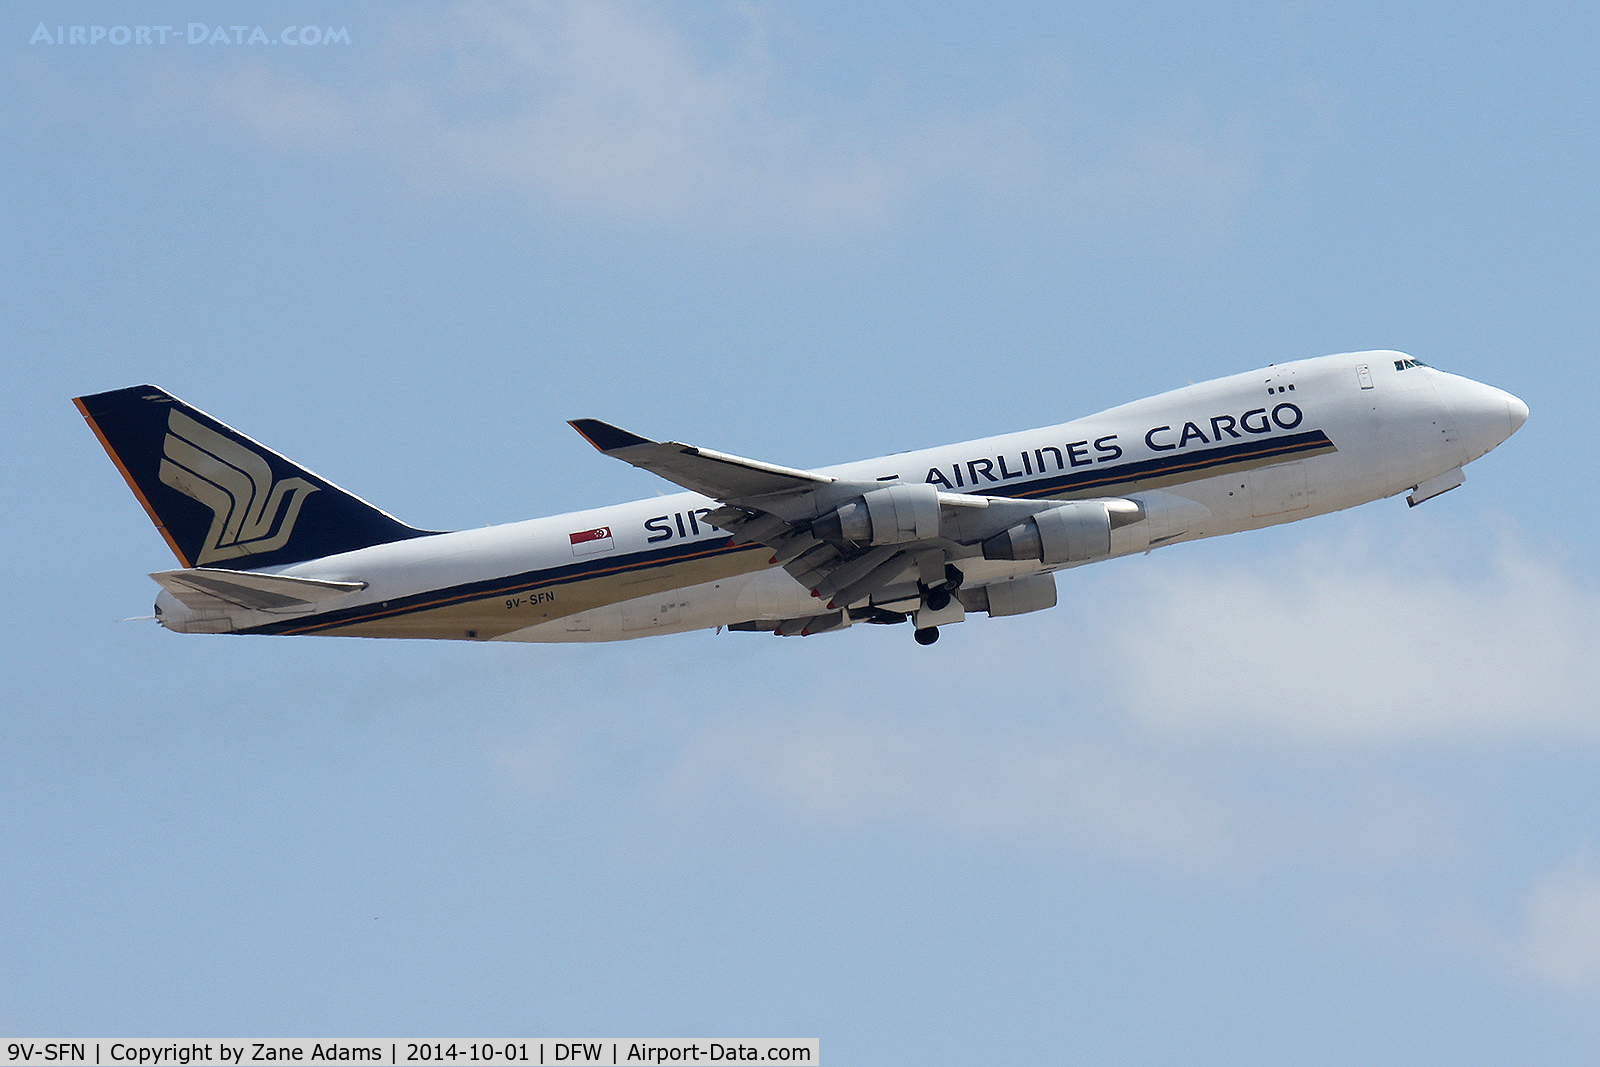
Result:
pixel 1323 793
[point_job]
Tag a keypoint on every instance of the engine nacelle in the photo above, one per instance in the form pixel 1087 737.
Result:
pixel 893 515
pixel 1012 596
pixel 1072 533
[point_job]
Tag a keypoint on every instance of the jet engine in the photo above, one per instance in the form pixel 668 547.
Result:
pixel 1072 533
pixel 893 515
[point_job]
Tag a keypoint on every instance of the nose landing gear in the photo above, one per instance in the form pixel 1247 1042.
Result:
pixel 927 635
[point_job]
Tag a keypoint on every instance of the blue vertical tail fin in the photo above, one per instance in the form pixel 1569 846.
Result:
pixel 221 499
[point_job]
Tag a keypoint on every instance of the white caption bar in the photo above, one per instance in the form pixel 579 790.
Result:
pixel 435 1052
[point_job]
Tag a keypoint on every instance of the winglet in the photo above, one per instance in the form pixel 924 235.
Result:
pixel 606 437
pixel 700 470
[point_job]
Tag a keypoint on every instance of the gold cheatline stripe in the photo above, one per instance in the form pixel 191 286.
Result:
pixel 467 598
pixel 463 598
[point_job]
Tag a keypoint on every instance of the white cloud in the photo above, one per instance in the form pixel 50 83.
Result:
pixel 830 768
pixel 1049 787
pixel 595 105
pixel 1560 938
pixel 1555 939
pixel 1174 710
pixel 604 106
pixel 1361 641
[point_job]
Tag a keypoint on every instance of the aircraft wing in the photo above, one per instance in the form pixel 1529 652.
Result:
pixel 913 531
pixel 714 474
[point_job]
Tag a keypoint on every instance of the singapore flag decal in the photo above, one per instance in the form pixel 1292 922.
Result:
pixel 591 542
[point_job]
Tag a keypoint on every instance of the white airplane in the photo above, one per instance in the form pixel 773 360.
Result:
pixel 267 547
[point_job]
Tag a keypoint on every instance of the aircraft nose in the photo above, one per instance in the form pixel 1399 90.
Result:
pixel 1519 412
pixel 1485 415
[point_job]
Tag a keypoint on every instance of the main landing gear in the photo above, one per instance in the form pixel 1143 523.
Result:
pixel 935 598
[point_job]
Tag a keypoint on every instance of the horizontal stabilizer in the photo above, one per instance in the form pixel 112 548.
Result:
pixel 207 588
pixel 715 474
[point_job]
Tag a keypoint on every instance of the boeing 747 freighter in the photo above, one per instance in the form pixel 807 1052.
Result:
pixel 930 536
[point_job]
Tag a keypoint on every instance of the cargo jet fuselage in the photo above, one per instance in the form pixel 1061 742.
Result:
pixel 929 535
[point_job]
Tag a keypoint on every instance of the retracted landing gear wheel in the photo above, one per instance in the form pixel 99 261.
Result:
pixel 927 635
pixel 937 599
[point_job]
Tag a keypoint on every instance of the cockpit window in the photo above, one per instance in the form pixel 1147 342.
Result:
pixel 1407 364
